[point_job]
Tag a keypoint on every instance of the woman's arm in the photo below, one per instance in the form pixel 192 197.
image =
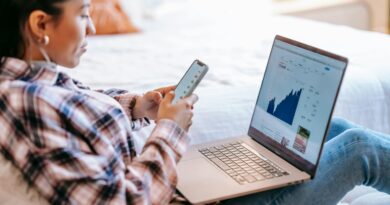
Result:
pixel 75 150
pixel 126 99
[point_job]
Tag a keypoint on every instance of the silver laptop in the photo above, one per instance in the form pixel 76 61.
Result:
pixel 286 134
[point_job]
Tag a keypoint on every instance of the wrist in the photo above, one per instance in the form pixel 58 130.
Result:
pixel 134 108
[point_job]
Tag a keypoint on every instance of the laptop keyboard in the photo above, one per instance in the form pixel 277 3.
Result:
pixel 242 164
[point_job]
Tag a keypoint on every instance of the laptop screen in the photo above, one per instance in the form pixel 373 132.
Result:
pixel 296 100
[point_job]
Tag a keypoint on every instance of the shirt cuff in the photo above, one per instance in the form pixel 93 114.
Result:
pixel 169 132
pixel 139 123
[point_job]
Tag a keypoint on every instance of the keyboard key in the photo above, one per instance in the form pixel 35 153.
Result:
pixel 258 161
pixel 212 149
pixel 260 169
pixel 241 163
pixel 258 177
pixel 249 178
pixel 223 158
pixel 241 171
pixel 220 164
pixel 220 147
pixel 252 171
pixel 240 179
pixel 254 157
pixel 238 169
pixel 234 166
pixel 229 171
pixel 267 175
pixel 263 172
pixel 252 164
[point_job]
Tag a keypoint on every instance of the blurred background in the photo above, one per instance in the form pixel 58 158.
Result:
pixel 372 15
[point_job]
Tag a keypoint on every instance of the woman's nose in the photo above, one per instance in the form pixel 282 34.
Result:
pixel 90 27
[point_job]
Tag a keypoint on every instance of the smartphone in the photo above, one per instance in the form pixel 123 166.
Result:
pixel 190 80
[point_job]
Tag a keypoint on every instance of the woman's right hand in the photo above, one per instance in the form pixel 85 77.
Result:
pixel 181 112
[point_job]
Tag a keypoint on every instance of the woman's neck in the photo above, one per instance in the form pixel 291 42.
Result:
pixel 33 54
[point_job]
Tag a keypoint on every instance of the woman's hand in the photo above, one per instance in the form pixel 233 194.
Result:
pixel 181 112
pixel 148 104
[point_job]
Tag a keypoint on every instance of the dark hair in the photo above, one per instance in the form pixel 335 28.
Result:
pixel 13 17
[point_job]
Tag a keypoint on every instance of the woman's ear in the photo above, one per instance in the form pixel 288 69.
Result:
pixel 38 24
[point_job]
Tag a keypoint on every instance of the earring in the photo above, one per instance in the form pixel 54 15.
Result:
pixel 45 41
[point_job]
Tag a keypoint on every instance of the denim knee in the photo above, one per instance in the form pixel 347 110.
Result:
pixel 337 127
pixel 341 123
pixel 354 135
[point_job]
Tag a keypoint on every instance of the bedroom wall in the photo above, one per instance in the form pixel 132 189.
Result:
pixel 370 15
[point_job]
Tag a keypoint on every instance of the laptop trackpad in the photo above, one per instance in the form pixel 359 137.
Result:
pixel 206 176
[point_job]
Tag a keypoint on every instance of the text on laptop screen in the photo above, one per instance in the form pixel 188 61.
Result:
pixel 296 99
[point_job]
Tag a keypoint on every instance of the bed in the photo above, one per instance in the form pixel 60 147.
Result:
pixel 236 47
pixel 235 41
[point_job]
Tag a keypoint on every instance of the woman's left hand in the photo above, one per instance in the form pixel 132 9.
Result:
pixel 147 105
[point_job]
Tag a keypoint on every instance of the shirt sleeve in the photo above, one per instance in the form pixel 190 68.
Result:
pixel 75 152
pixel 125 99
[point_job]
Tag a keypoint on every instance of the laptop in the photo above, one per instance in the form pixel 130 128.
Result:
pixel 286 134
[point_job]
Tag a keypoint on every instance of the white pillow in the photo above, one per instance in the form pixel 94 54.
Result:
pixel 13 189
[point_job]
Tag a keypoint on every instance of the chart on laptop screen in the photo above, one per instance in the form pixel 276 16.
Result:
pixel 296 98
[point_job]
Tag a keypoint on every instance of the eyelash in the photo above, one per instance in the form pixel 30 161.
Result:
pixel 85 16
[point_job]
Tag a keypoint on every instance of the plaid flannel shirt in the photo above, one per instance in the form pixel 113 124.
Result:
pixel 76 149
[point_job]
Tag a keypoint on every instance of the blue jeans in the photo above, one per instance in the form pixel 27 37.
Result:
pixel 352 156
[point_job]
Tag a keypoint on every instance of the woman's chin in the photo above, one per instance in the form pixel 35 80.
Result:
pixel 71 64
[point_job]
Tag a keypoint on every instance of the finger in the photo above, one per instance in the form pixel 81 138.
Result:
pixel 165 90
pixel 153 96
pixel 157 97
pixel 169 97
pixel 192 99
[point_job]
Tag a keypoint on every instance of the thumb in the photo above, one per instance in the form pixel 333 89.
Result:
pixel 154 96
pixel 169 97
pixel 158 97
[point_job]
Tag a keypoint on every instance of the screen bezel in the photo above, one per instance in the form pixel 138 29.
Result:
pixel 288 155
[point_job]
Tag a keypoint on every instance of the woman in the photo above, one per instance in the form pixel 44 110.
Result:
pixel 73 144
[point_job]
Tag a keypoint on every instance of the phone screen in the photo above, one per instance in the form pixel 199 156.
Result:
pixel 190 80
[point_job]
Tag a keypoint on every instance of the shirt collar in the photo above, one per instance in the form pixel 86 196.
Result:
pixel 37 71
